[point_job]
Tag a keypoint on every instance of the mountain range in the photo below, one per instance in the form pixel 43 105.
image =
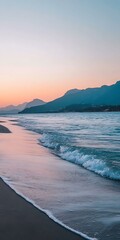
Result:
pixel 11 109
pixel 100 96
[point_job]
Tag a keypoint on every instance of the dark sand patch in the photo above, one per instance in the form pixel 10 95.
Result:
pixel 13 120
pixel 4 129
pixel 20 220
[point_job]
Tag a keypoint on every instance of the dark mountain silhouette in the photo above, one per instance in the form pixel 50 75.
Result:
pixel 15 109
pixel 91 108
pixel 75 90
pixel 105 95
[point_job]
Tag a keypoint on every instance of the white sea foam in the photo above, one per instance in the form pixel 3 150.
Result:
pixel 90 162
pixel 47 212
pixel 59 140
pixel 75 155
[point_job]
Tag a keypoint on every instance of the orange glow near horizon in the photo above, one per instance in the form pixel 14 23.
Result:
pixel 47 92
pixel 49 47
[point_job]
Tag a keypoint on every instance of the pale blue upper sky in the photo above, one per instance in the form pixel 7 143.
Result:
pixel 50 46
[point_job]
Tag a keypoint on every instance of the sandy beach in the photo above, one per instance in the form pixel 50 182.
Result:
pixel 48 189
pixel 20 220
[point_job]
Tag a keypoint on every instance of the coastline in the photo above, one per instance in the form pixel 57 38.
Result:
pixel 56 188
pixel 21 220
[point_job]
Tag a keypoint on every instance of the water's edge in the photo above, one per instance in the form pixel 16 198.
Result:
pixel 47 212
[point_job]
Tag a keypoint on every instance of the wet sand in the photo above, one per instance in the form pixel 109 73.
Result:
pixel 20 220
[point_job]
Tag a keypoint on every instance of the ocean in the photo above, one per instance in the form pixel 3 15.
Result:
pixel 68 164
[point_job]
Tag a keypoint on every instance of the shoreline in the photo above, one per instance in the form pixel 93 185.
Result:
pixel 47 213
pixel 39 182
pixel 22 220
pixel 10 213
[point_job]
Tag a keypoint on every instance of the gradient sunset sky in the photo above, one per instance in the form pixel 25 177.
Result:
pixel 50 46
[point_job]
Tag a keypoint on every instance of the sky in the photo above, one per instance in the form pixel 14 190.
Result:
pixel 50 46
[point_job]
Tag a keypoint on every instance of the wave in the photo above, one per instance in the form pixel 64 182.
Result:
pixel 75 155
pixel 63 145
pixel 47 212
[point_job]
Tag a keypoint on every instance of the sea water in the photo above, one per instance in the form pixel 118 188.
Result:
pixel 72 168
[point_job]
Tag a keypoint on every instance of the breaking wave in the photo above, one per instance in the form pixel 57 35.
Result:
pixel 75 155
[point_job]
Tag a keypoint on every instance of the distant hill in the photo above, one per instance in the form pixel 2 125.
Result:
pixel 105 95
pixel 75 90
pixel 35 102
pixel 11 109
pixel 91 108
